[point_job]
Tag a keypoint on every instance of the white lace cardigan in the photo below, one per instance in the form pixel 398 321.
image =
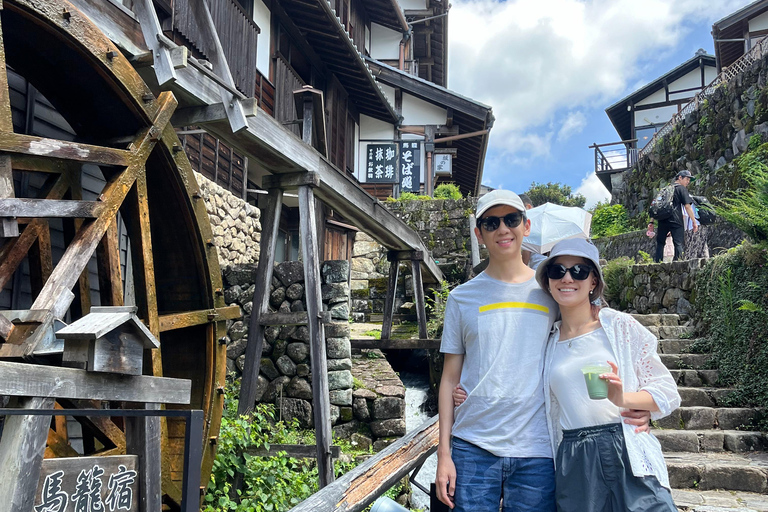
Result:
pixel 640 369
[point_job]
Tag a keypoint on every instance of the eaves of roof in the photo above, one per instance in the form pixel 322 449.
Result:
pixel 317 21
pixel 746 12
pixel 386 13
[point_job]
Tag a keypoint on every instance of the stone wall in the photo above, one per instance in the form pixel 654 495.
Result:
pixel 235 224
pixel 719 236
pixel 705 143
pixel 659 288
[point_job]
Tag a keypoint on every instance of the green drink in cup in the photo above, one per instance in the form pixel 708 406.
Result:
pixel 596 387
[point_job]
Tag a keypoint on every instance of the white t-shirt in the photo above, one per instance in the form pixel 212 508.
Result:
pixel 502 329
pixel 577 410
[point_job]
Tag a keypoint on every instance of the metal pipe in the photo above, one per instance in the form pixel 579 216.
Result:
pixel 462 136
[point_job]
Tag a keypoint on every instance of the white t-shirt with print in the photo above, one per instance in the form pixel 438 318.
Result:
pixel 502 329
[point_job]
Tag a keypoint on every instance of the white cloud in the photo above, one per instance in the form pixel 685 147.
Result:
pixel 574 124
pixel 592 188
pixel 534 61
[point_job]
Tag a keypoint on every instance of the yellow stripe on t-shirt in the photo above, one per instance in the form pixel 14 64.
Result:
pixel 512 305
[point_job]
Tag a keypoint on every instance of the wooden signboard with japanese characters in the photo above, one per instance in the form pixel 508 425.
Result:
pixel 381 163
pixel 410 170
pixel 89 484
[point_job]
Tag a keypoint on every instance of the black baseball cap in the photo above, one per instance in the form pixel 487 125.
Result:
pixel 685 174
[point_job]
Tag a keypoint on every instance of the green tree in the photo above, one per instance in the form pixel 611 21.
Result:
pixel 609 220
pixel 556 193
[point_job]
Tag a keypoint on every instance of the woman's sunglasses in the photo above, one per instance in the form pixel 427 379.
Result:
pixel 491 223
pixel 578 272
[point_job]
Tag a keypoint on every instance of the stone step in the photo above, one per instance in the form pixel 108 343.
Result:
pixel 668 332
pixel 675 346
pixel 704 418
pixel 688 500
pixel 704 397
pixel 711 441
pixel 684 361
pixel 728 471
pixel 655 320
pixel 695 378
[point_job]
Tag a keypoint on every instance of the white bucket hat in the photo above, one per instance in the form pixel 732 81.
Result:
pixel 580 248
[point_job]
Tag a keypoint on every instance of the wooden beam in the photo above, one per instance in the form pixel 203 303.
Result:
pixel 389 300
pixel 20 379
pixel 6 328
pixel 321 406
pixel 55 148
pixel 418 298
pixel 290 181
pixel 270 228
pixel 9 227
pixel 109 270
pixel 21 454
pixel 192 116
pixel 204 316
pixel 396 344
pixel 150 28
pixel 142 438
pixel 49 208
pixel 358 488
pixel 40 258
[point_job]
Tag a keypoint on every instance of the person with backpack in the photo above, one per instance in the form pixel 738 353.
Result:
pixel 667 209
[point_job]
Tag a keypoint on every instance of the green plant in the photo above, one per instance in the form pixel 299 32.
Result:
pixel 609 220
pixel 375 333
pixel 557 193
pixel 754 142
pixel 447 191
pixel 616 274
pixel 436 306
pixel 644 258
pixel 747 209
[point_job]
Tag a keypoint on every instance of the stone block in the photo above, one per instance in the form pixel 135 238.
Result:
pixel 289 272
pixel 335 292
pixel 294 408
pixel 338 348
pixel 236 349
pixel 397 391
pixel 302 370
pixel 298 352
pixel 712 441
pixel 340 311
pixel 339 364
pixel 261 387
pixel 336 271
pixel 345 414
pixel 698 418
pixel 380 444
pixel 286 332
pixel 739 478
pixel 232 294
pixel 271 333
pixel 337 330
pixel 673 421
pixel 267 367
pixel 735 418
pixel 735 441
pixel 240 275
pixel 340 397
pixel 695 397
pixel 278 349
pixel 286 366
pixel 365 393
pixel 361 442
pixel 275 389
pixel 297 305
pixel 360 409
pixel 295 291
pixel 388 428
pixel 677 440
pixel 299 388
pixel 388 407
pixel 340 380
pixel 334 414
pixel 345 430
pixel 237 330
pixel 684 476
pixel 277 297
pixel 362 265
pixel 301 333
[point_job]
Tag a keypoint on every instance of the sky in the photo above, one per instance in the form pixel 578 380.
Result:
pixel 549 68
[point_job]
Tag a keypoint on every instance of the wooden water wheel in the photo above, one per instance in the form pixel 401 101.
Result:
pixel 122 132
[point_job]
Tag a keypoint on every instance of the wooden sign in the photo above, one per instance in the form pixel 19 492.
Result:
pixel 410 163
pixel 381 163
pixel 88 484
pixel 443 165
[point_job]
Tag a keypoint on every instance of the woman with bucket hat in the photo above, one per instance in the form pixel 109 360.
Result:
pixel 598 362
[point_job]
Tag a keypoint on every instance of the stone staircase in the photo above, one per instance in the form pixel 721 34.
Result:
pixel 716 459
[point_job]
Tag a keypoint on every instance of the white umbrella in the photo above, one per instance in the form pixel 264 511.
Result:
pixel 551 223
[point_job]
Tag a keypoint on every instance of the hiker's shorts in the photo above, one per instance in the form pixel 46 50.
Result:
pixel 594 475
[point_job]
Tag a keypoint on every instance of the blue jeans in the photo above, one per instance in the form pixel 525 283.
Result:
pixel 483 479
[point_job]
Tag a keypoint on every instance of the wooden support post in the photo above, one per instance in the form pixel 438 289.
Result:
pixel 150 27
pixel 389 301
pixel 21 455
pixel 270 227
pixel 40 258
pixel 473 240
pixel 312 283
pixel 418 296
pixel 108 262
pixel 142 438
pixel 9 226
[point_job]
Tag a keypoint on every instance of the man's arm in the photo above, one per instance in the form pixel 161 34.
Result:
pixel 691 216
pixel 445 480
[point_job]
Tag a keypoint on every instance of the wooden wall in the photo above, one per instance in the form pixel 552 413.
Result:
pixel 216 161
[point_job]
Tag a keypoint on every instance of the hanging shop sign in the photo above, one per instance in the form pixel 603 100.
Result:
pixel 381 163
pixel 443 164
pixel 410 167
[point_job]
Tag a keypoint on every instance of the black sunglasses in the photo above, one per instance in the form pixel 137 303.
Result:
pixel 491 223
pixel 578 272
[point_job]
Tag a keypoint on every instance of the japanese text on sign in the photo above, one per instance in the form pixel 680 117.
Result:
pixel 381 163
pixel 410 162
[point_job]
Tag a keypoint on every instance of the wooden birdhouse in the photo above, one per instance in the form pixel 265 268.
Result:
pixel 109 339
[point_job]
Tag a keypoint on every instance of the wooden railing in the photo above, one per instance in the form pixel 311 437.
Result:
pixel 615 155
pixel 726 75
pixel 265 93
pixel 237 32
pixel 286 81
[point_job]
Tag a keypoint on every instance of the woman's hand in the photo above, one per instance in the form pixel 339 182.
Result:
pixel 459 395
pixel 615 386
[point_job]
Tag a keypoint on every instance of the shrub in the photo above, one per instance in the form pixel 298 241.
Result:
pixel 615 274
pixel 436 307
pixel 609 220
pixel 448 191
pixel 747 209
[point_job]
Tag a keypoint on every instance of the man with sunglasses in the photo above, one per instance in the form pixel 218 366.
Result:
pixel 496 443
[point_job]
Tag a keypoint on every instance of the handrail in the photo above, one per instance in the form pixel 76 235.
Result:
pixel 625 156
pixel 726 75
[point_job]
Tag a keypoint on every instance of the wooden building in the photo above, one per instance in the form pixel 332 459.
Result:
pixel 639 115
pixel 738 32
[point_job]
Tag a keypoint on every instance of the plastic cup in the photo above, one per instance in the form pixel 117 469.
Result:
pixel 596 387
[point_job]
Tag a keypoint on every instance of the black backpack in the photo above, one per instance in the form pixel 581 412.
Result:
pixel 663 207
pixel 707 214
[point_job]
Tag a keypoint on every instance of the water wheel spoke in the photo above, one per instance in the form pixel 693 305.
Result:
pixel 108 263
pixel 64 150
